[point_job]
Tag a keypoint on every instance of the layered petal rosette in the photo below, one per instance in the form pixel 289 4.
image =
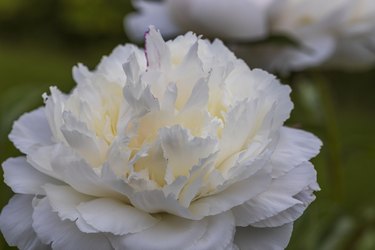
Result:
pixel 180 146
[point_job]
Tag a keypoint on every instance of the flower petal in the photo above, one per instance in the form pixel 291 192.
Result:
pixel 279 197
pixel 31 130
pixel 157 51
pixel 64 200
pixel 210 233
pixel 290 214
pixel 64 234
pixel 23 178
pixel 219 233
pixel 79 175
pixel 155 201
pixel 275 238
pixel 16 221
pixel 294 147
pixel 82 140
pixel 182 150
pixel 178 232
pixel 234 195
pixel 112 216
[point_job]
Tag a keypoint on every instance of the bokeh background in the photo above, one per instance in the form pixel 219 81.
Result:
pixel 40 41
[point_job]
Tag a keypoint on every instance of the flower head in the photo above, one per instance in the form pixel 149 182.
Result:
pixel 178 146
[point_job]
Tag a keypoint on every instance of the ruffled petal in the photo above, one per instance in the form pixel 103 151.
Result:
pixel 182 150
pixel 16 221
pixel 79 175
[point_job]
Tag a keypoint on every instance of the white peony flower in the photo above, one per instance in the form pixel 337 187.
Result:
pixel 230 20
pixel 178 147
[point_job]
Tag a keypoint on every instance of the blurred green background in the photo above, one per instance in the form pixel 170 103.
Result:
pixel 40 41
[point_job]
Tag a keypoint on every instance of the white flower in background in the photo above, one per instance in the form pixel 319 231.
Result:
pixel 329 33
pixel 337 33
pixel 178 147
pixel 355 37
pixel 309 24
pixel 229 20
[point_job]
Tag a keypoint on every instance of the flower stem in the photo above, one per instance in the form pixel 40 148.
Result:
pixel 332 134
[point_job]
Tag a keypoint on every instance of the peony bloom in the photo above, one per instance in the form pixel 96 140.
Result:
pixel 229 20
pixel 181 146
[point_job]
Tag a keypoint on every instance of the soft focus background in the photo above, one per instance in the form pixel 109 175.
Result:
pixel 40 41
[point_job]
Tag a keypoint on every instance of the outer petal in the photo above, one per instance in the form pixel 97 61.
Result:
pixel 234 195
pixel 276 238
pixel 178 232
pixel 209 233
pixel 31 130
pixel 107 215
pixel 64 234
pixel 294 147
pixel 23 178
pixel 279 197
pixel 219 233
pixel 151 13
pixel 64 200
pixel 290 214
pixel 15 224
